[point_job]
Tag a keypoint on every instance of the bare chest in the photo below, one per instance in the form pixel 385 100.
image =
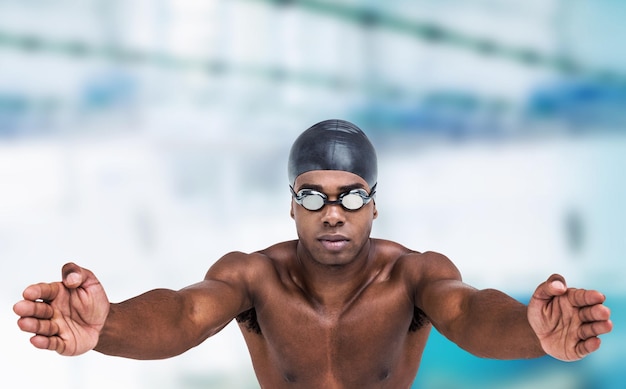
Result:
pixel 370 341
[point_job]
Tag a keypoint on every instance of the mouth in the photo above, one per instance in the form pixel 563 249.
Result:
pixel 333 242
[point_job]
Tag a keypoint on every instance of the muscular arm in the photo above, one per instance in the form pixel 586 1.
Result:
pixel 486 323
pixel 162 323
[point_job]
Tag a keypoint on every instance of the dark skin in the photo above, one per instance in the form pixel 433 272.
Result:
pixel 333 309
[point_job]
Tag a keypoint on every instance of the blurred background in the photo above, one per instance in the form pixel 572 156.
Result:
pixel 145 139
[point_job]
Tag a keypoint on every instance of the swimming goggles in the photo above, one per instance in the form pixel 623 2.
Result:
pixel 313 200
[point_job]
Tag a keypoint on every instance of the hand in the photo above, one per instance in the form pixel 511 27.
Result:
pixel 567 321
pixel 65 316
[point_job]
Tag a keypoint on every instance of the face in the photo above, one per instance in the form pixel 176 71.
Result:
pixel 332 235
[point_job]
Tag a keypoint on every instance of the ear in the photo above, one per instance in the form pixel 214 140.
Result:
pixel 291 210
pixel 375 210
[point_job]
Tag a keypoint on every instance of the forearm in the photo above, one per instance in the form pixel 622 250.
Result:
pixel 496 326
pixel 150 326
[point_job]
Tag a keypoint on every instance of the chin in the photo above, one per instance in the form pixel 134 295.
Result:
pixel 335 260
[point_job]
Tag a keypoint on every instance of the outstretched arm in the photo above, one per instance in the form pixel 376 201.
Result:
pixel 486 323
pixel 163 323
pixel 74 316
pixel 561 322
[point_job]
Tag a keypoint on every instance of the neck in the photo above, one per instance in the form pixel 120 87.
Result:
pixel 334 286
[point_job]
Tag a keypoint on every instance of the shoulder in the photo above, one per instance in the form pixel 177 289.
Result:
pixel 416 266
pixel 249 266
pixel 408 257
pixel 432 265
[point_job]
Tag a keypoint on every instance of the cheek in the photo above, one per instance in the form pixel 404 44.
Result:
pixel 302 218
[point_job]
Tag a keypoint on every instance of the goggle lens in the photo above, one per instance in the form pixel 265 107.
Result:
pixel 353 201
pixel 313 200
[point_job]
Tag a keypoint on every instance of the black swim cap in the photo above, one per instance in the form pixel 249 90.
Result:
pixel 333 145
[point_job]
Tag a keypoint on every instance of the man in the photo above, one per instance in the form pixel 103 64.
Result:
pixel 332 309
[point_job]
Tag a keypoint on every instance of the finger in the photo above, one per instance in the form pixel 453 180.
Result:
pixel 591 330
pixel 39 341
pixel 595 312
pixel 41 291
pixel 584 297
pixel 48 343
pixel 39 327
pixel 587 346
pixel 36 309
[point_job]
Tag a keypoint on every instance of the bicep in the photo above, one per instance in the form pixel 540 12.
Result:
pixel 445 302
pixel 440 292
pixel 222 295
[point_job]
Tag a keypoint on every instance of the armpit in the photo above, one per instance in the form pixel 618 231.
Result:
pixel 249 319
pixel 419 320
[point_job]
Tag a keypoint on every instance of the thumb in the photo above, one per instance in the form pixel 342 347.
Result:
pixel 554 286
pixel 73 275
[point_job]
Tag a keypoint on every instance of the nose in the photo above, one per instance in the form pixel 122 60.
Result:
pixel 333 215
